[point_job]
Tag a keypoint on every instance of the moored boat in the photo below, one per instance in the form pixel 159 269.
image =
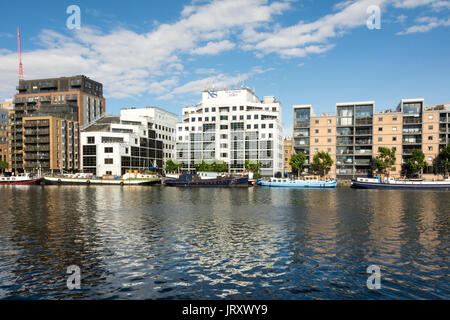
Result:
pixel 126 180
pixel 391 183
pixel 306 183
pixel 193 180
pixel 20 179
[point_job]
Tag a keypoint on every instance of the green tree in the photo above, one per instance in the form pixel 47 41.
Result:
pixel 444 157
pixel 298 162
pixel 322 160
pixel 203 166
pixel 219 167
pixel 252 166
pixel 417 162
pixel 3 166
pixel 385 160
pixel 172 166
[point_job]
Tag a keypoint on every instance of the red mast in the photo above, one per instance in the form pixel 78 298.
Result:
pixel 20 55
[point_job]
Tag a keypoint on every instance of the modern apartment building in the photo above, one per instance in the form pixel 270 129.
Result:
pixel 5 107
pixel 232 125
pixel 50 143
pixel 112 146
pixel 66 105
pixel 288 148
pixel 353 136
pixel 159 120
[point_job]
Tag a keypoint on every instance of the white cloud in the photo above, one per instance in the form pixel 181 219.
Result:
pixel 213 48
pixel 426 24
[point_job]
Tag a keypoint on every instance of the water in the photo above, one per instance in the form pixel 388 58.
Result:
pixel 258 243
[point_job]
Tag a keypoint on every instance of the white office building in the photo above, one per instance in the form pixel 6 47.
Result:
pixel 157 119
pixel 232 125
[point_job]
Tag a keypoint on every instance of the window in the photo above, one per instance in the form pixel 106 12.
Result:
pixel 316 150
pixel 317 121
pixel 329 121
pixel 316 140
pixel 329 130
pixel 430 148
pixel 241 117
pixel 430 117
pixel 430 159
pixel 394 128
pixel 394 119
pixel 206 118
pixel 206 109
pixel 108 150
pixel 380 139
pixel 109 161
pixel 234 108
pixel 193 120
pixel 223 127
pixel 213 109
pixel 255 126
pixel 329 149
pixel 380 129
pixel 249 126
pixel 329 140
pixel 394 138
pixel 213 119
pixel 223 117
pixel 430 138
pixel 234 117
pixel 90 140
pixel 249 117
pixel 255 117
pixel 317 130
pixel 224 155
pixel 263 126
pixel 270 125
pixel 241 108
pixel 199 119
pixel 430 127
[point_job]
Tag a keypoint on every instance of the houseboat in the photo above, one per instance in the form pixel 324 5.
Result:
pixel 86 179
pixel 195 180
pixel 20 179
pixel 391 183
pixel 307 182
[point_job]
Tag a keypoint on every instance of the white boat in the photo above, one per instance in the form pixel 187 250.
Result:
pixel 308 182
pixel 20 179
pixel 126 180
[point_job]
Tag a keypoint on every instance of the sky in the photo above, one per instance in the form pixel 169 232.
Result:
pixel 164 53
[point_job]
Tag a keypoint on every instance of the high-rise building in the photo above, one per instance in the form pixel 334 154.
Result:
pixel 232 125
pixel 53 110
pixel 354 135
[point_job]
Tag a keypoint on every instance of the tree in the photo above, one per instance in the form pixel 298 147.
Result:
pixel 386 160
pixel 444 157
pixel 252 166
pixel 298 162
pixel 219 167
pixel 417 162
pixel 172 166
pixel 322 160
pixel 3 166
pixel 203 166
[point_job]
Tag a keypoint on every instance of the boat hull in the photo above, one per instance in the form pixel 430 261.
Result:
pixel 227 182
pixel 299 184
pixel 24 182
pixel 400 186
pixel 87 182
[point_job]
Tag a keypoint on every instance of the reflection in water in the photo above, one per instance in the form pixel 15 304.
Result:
pixel 169 243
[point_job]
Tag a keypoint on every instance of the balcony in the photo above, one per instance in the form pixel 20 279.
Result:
pixel 75 83
pixel 72 98
pixel 302 123
pixel 21 87
pixel 363 121
pixel 412 120
pixel 412 131
pixel 363 152
pixel 49 85
pixel 363 162
pixel 412 141
pixel 363 142
pixel 363 132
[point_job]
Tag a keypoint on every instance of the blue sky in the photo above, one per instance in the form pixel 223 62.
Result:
pixel 163 53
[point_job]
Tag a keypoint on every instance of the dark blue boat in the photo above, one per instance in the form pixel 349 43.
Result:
pixel 193 180
pixel 390 183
